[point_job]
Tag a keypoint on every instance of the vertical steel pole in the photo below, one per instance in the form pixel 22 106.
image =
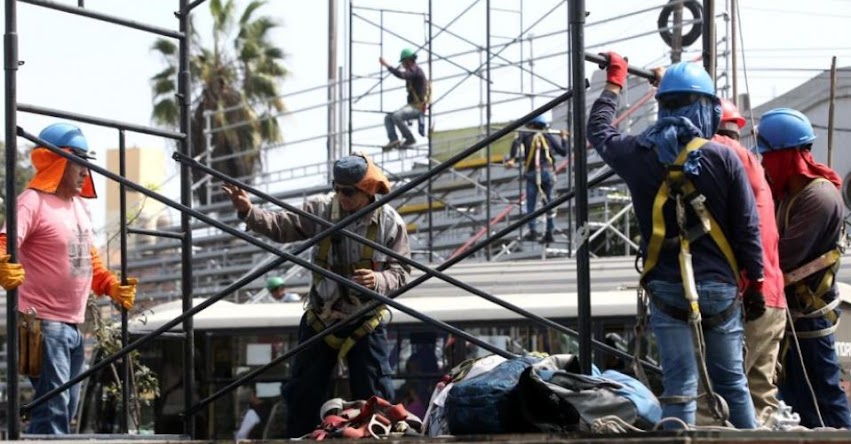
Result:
pixel 488 123
pixel 10 64
pixel 831 112
pixel 430 146
pixel 125 337
pixel 709 37
pixel 576 14
pixel 332 79
pixel 733 50
pixel 185 146
pixel 351 87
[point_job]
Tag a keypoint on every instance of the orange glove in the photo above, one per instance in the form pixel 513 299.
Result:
pixel 11 274
pixel 124 295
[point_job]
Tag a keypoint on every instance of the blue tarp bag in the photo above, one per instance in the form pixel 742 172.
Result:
pixel 552 399
pixel 483 403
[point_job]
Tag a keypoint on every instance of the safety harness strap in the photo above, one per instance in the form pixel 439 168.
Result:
pixel 381 315
pixel 419 101
pixel 676 178
pixel 809 299
pixel 539 143
pixel 682 314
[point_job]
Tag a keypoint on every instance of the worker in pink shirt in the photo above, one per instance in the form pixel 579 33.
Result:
pixel 61 266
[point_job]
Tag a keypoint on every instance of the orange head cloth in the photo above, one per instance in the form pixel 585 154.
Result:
pixel 374 181
pixel 49 168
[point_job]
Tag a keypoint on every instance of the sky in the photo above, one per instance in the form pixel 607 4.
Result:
pixel 96 68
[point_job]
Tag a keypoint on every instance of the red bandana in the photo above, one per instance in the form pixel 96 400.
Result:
pixel 780 166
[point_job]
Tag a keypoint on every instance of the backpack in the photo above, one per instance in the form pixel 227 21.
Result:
pixel 551 399
pixel 484 404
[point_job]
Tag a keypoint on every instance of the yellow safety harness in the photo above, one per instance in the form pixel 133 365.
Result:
pixel 419 101
pixel 539 144
pixel 810 299
pixel 677 184
pixel 380 315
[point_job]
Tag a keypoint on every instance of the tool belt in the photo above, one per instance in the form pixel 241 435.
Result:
pixel 344 344
pixel 682 314
pixel 29 344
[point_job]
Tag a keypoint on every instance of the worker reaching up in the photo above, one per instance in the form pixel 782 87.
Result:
pixel 690 196
pixel 810 221
pixel 418 99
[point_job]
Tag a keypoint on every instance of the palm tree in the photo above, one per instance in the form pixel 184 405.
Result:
pixel 238 84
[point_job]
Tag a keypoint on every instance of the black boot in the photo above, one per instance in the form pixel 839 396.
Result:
pixel 548 238
pixel 532 235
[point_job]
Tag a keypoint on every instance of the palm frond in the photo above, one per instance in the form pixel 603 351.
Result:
pixel 165 47
pixel 166 113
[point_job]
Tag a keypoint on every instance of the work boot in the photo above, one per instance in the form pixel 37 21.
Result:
pixel 532 235
pixel 409 143
pixel 548 238
pixel 391 144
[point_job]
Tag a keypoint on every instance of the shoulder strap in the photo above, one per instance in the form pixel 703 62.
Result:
pixel 539 142
pixel 792 201
pixel 657 237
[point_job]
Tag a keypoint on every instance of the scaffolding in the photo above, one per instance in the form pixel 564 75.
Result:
pixel 350 93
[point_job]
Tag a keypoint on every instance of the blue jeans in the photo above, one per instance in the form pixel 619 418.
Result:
pixel 62 359
pixel 823 370
pixel 398 119
pixel 547 185
pixel 724 351
pixel 369 374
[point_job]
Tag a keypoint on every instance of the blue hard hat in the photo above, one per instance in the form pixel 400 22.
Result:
pixel 66 135
pixel 783 128
pixel 542 120
pixel 686 78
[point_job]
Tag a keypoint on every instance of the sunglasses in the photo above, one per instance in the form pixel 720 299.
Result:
pixel 677 101
pixel 345 191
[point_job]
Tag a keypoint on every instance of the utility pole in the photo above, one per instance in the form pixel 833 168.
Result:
pixel 677 34
pixel 734 50
pixel 709 37
pixel 830 113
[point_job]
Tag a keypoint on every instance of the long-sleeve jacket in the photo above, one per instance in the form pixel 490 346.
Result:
pixel 721 180
pixel 415 82
pixel 810 223
pixel 525 140
pixel 772 289
pixel 390 274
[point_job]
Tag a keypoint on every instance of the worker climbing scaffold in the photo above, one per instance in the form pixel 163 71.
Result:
pixel 535 147
pixel 419 92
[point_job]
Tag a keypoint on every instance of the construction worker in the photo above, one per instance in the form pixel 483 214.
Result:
pixel 56 246
pixel 810 221
pixel 535 148
pixel 690 195
pixel 762 334
pixel 277 288
pixel 363 344
pixel 418 92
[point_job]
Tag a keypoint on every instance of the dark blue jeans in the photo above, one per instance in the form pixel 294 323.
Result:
pixel 547 184
pixel 819 356
pixel 62 359
pixel 369 374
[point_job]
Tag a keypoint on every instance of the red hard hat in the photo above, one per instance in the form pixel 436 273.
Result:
pixel 729 113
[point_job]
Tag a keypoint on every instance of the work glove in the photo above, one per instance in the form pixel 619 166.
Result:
pixel 753 301
pixel 11 274
pixel 616 69
pixel 124 295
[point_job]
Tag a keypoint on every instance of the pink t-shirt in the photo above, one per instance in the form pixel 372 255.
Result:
pixel 772 288
pixel 54 244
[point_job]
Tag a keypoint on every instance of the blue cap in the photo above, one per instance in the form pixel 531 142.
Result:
pixel 349 170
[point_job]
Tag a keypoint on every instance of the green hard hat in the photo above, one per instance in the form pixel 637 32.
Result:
pixel 274 282
pixel 407 53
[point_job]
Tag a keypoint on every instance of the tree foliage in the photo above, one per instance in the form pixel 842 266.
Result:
pixel 235 81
